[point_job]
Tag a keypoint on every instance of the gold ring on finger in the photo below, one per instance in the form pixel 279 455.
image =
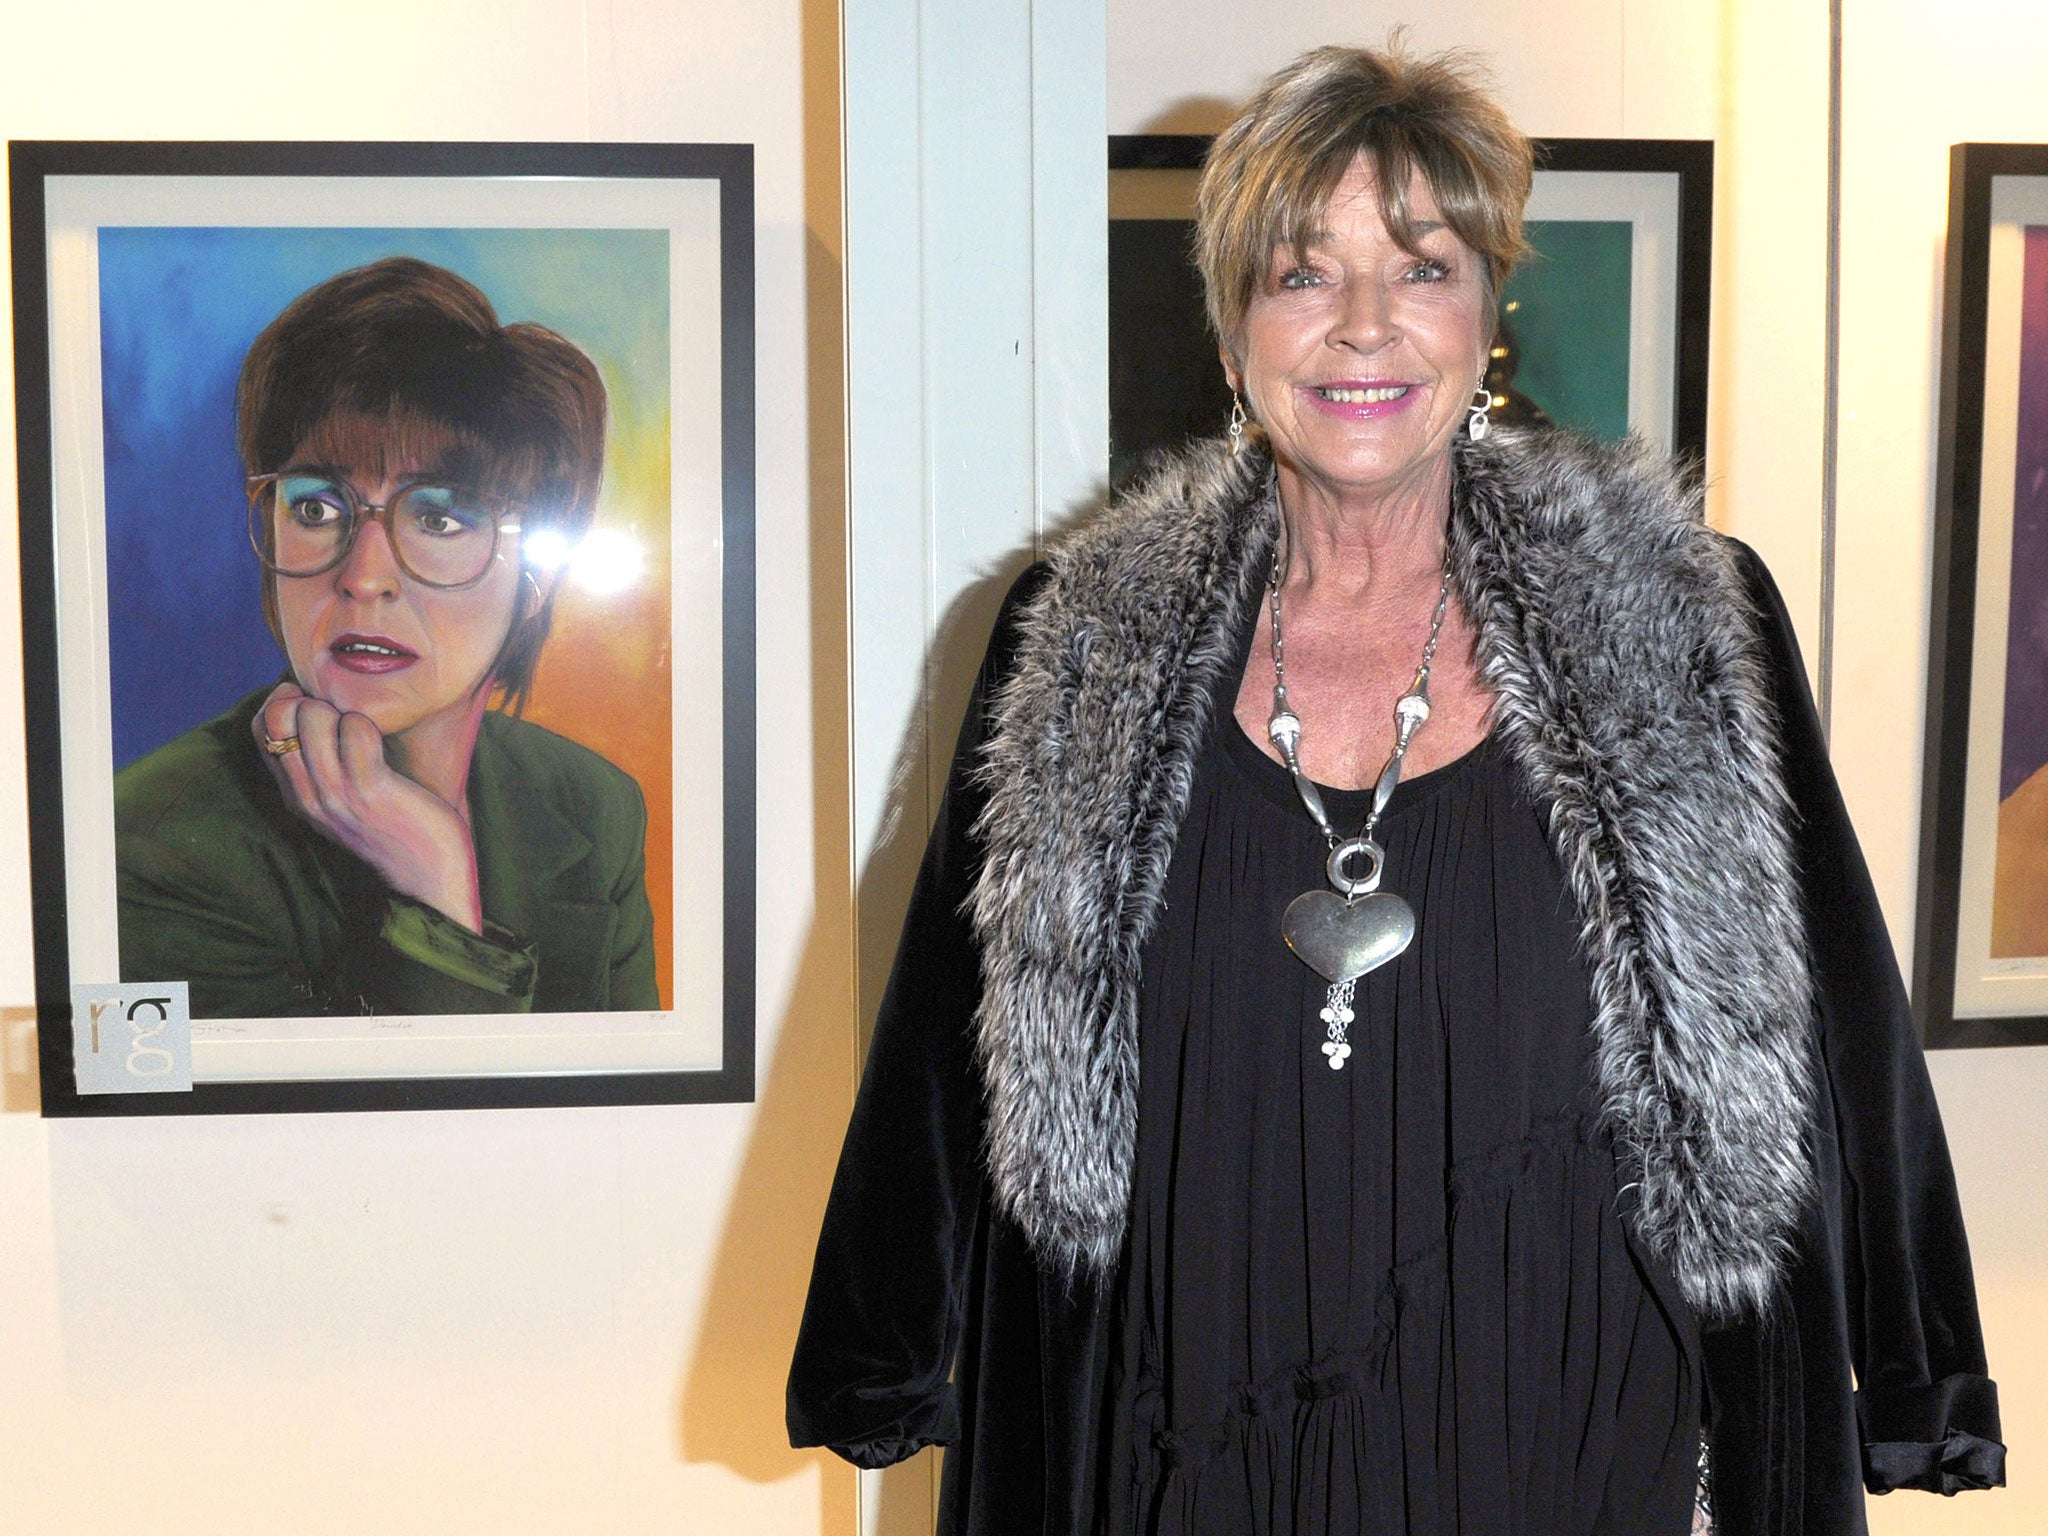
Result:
pixel 280 746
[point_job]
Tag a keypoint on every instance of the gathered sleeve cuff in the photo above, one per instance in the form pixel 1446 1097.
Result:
pixel 1942 1438
pixel 922 1421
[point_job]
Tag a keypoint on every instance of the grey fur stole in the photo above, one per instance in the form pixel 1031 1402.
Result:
pixel 1616 635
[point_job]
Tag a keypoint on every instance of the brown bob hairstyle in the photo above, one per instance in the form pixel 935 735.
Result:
pixel 1271 173
pixel 402 353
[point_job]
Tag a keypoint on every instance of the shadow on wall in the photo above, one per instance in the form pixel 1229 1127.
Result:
pixel 732 1398
pixel 900 1500
pixel 1197 114
pixel 731 1401
pixel 904 1497
pixel 918 774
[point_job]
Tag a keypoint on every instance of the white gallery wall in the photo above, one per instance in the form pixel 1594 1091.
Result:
pixel 1753 76
pixel 558 1321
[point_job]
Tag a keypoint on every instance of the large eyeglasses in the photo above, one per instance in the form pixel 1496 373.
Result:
pixel 303 522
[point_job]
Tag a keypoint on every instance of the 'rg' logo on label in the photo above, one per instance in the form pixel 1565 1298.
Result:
pixel 147 1018
pixel 132 1037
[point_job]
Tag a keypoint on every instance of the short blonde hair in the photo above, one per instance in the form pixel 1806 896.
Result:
pixel 1271 173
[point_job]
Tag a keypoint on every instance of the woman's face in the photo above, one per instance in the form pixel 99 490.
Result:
pixel 368 638
pixel 1361 360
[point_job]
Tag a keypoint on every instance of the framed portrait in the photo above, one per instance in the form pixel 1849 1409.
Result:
pixel 1604 329
pixel 388 615
pixel 1980 963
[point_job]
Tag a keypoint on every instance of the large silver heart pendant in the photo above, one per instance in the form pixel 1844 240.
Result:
pixel 1341 940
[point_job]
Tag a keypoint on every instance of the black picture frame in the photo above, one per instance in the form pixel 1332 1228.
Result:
pixel 1165 385
pixel 704 190
pixel 1965 991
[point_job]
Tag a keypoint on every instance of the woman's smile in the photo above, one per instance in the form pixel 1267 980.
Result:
pixel 1360 399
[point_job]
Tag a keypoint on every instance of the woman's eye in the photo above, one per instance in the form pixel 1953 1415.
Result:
pixel 1299 277
pixel 318 510
pixel 439 515
pixel 1428 272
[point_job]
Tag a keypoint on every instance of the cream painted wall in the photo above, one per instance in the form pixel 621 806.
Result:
pixel 1753 76
pixel 529 1322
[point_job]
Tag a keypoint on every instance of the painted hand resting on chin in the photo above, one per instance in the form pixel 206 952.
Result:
pixel 339 780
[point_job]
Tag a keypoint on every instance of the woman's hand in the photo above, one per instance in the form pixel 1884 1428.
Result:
pixel 339 781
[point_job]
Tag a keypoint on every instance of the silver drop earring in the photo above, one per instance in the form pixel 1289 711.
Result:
pixel 1476 422
pixel 1237 421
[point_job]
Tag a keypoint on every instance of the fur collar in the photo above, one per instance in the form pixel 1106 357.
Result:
pixel 1617 636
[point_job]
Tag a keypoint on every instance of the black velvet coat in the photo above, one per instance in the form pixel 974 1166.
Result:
pixel 932 1320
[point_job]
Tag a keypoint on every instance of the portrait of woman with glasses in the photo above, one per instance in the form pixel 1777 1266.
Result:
pixel 380 831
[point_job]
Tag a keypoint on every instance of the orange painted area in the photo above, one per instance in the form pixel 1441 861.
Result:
pixel 605 675
pixel 604 681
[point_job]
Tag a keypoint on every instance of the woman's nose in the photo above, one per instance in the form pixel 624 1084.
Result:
pixel 1364 320
pixel 370 568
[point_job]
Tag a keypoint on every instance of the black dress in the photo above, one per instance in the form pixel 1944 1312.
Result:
pixel 1402 1296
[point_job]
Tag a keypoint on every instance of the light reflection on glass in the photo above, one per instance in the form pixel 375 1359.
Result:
pixel 547 550
pixel 607 561
pixel 603 563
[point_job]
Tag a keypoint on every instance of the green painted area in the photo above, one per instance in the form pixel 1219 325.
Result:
pixel 1567 313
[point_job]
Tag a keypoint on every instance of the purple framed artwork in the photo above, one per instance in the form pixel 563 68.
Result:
pixel 1980 972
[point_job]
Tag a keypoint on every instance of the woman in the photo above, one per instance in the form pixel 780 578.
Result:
pixel 1359 1060
pixel 367 836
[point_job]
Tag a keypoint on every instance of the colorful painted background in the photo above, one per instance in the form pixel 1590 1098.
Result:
pixel 178 310
pixel 2025 745
pixel 2019 889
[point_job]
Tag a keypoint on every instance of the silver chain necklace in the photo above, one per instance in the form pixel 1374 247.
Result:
pixel 1343 933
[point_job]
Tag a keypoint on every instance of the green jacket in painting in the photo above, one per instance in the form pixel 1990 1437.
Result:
pixel 224 887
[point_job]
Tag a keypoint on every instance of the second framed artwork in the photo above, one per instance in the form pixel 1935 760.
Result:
pixel 388 619
pixel 1980 970
pixel 1604 329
